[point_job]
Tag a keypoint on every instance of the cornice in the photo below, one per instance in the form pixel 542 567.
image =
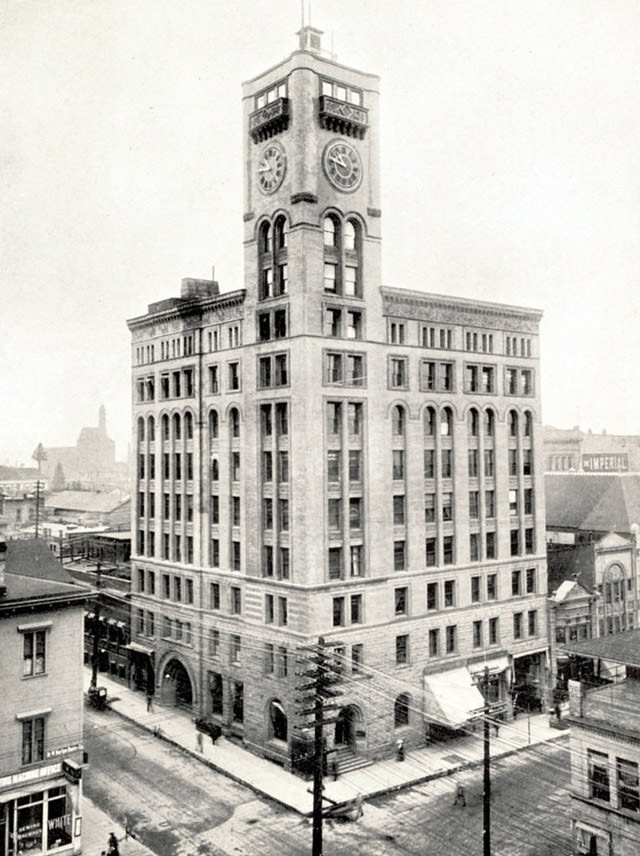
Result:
pixel 188 308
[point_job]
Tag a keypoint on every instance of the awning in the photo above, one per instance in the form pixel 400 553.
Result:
pixel 452 698
pixel 612 671
pixel 495 666
pixel 112 622
pixel 139 649
pixel 121 625
pixel 90 615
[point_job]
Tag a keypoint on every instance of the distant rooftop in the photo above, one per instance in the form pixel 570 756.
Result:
pixel 602 503
pixel 621 648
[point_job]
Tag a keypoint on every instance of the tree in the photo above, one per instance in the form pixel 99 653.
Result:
pixel 39 455
pixel 58 482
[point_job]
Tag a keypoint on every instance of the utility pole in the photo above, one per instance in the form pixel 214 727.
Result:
pixel 37 506
pixel 322 675
pixel 486 790
pixel 96 630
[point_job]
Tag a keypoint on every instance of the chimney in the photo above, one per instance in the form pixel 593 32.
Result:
pixel 3 564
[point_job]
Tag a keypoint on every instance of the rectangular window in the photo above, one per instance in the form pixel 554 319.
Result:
pixel 489 504
pixel 338 611
pixel 429 508
pixel 492 586
pixel 598 775
pixel 516 583
pixel 402 601
pixel 356 609
pixel 475 589
pixel 283 514
pixel 34 653
pixel 473 463
pixel 284 563
pixel 235 647
pixel 474 546
pixel 429 463
pixel 451 642
pixel 335 563
pixel 214 642
pixel 515 542
pixel 449 592
pixel 267 466
pixel 447 459
pixel 235 555
pixel 355 465
pixel 398 510
pixel 335 515
pixel 447 550
pixel 533 622
pixel 236 600
pixel 477 634
pixel 474 505
pixel 355 555
pixel 215 553
pixel 531 580
pixel 434 642
pixel 33 735
pixel 402 650
pixel 489 463
pixel 447 507
pixel 357 658
pixel 283 467
pixel 517 625
pixel 234 376
pixel 269 609
pixel 397 464
pixel 430 549
pixel 432 596
pixel 283 612
pixel 493 631
pixel 397 372
pixel 282 419
pixel 399 555
pixel 627 781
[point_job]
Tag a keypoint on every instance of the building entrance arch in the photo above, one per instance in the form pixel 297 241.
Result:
pixel 176 685
pixel 348 724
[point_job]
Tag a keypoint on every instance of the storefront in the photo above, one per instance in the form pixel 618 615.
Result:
pixel 39 822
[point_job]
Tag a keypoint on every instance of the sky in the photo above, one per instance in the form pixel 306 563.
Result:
pixel 510 173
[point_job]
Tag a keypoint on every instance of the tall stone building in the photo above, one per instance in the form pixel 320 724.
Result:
pixel 320 455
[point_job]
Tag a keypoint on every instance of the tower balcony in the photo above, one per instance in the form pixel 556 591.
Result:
pixel 270 120
pixel 343 118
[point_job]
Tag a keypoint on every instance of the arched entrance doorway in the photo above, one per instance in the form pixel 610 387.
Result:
pixel 176 685
pixel 347 725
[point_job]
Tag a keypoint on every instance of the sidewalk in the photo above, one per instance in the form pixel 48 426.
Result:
pixel 96 826
pixel 271 780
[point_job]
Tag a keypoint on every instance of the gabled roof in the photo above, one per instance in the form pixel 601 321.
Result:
pixel 568 562
pixel 86 500
pixel 34 580
pixel 602 503
pixel 570 590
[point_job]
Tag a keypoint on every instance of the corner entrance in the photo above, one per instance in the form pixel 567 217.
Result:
pixel 176 686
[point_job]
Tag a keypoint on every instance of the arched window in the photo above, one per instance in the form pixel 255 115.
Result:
pixel 401 710
pixel 213 425
pixel 350 235
pixel 473 422
pixel 165 426
pixel 513 423
pixel 446 422
pixel 234 422
pixel 397 421
pixel 429 422
pixel 330 232
pixel 489 423
pixel 188 425
pixel 280 233
pixel 265 238
pixel 151 428
pixel 278 725
pixel 140 430
pixel 528 424
pixel 177 426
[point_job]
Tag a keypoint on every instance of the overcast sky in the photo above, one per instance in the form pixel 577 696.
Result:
pixel 510 173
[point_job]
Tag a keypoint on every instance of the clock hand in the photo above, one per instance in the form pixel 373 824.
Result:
pixel 339 159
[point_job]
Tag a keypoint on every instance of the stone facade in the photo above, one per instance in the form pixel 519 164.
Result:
pixel 321 456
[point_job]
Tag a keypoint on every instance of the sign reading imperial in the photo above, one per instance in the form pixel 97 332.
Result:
pixel 605 463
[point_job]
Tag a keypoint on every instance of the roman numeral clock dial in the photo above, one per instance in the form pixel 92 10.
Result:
pixel 272 165
pixel 342 166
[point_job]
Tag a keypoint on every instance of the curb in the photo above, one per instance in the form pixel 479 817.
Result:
pixel 438 774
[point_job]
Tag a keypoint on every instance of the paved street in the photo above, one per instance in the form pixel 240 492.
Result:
pixel 179 807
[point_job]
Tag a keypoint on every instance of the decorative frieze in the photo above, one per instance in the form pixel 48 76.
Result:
pixel 270 120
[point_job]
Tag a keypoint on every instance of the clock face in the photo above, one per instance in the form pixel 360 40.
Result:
pixel 343 166
pixel 272 166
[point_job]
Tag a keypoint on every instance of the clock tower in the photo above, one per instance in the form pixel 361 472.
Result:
pixel 311 188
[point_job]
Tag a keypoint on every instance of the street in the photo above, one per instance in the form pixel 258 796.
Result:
pixel 178 807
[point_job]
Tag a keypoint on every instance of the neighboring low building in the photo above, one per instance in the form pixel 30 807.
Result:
pixel 17 481
pixel 605 747
pixel 89 508
pixel 573 450
pixel 41 704
pixel 16 513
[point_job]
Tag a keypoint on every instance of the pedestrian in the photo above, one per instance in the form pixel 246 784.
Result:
pixel 199 742
pixel 149 702
pixel 460 797
pixel 496 725
pixel 333 768
pixel 112 849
